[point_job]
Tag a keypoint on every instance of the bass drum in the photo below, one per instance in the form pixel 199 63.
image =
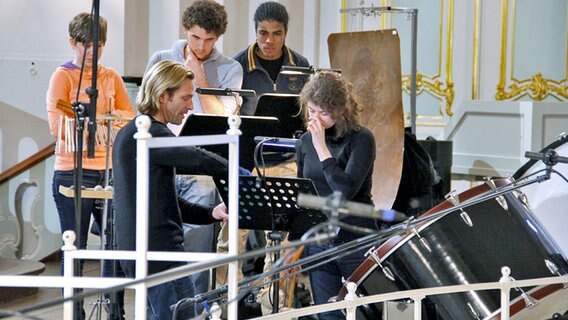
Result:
pixel 548 200
pixel 464 246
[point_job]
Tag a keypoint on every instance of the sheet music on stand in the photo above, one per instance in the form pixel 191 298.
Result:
pixel 286 108
pixel 251 126
pixel 270 204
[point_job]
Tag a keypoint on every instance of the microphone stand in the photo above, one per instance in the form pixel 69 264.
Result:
pixel 275 237
pixel 93 91
pixel 84 111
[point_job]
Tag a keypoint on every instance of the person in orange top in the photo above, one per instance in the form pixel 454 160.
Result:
pixel 65 84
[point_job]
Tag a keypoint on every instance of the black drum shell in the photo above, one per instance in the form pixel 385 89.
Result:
pixel 460 254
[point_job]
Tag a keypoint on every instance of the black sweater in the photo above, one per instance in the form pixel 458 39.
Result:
pixel 349 170
pixel 167 211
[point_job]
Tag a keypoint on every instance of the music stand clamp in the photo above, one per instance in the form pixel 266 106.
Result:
pixel 269 203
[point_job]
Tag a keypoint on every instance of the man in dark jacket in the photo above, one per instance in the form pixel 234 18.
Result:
pixel 262 60
pixel 165 96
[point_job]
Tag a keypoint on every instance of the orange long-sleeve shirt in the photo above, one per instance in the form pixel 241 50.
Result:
pixel 112 98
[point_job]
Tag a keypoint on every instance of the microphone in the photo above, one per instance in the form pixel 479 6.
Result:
pixel 277 144
pixel 352 208
pixel 226 92
pixel 549 157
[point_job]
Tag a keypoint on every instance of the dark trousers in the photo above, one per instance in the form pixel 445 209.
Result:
pixel 66 210
pixel 325 280
pixel 162 297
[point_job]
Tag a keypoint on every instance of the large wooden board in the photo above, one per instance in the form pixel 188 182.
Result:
pixel 370 60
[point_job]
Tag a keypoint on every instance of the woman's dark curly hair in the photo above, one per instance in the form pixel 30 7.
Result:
pixel 333 94
pixel 206 14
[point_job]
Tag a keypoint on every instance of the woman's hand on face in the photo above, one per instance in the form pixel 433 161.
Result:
pixel 317 130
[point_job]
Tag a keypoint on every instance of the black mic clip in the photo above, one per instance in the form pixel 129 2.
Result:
pixel 550 157
pixel 203 298
pixel 81 109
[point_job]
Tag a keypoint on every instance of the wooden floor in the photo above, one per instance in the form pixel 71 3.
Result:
pixel 43 295
pixel 91 269
pixel 52 268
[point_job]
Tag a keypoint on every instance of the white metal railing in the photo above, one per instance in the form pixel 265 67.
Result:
pixel 144 144
pixel 140 284
pixel 351 302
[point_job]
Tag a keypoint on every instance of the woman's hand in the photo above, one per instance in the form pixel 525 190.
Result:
pixel 220 212
pixel 318 138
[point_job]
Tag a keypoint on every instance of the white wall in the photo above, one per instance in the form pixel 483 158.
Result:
pixel 34 41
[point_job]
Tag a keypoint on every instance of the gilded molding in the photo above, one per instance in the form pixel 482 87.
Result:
pixel 475 64
pixel 536 87
pixel 444 90
pixel 440 89
pixel 343 16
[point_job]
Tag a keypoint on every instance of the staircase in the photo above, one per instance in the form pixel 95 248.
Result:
pixel 18 267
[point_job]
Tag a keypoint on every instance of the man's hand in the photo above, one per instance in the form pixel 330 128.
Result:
pixel 220 212
pixel 196 66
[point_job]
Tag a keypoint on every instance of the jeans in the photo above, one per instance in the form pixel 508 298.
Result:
pixel 162 296
pixel 326 279
pixel 66 210
pixel 198 238
pixel 165 295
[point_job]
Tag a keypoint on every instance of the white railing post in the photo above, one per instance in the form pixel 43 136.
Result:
pixel 350 296
pixel 68 273
pixel 417 307
pixel 505 292
pixel 142 189
pixel 233 289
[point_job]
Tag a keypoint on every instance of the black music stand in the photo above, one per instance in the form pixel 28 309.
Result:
pixel 270 203
pixel 286 108
pixel 205 124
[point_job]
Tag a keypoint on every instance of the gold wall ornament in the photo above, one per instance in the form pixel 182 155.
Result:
pixel 436 85
pixel 537 87
pixel 444 90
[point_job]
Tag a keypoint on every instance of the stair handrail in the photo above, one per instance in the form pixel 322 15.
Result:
pixel 27 163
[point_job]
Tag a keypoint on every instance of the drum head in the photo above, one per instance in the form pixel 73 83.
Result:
pixel 548 200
